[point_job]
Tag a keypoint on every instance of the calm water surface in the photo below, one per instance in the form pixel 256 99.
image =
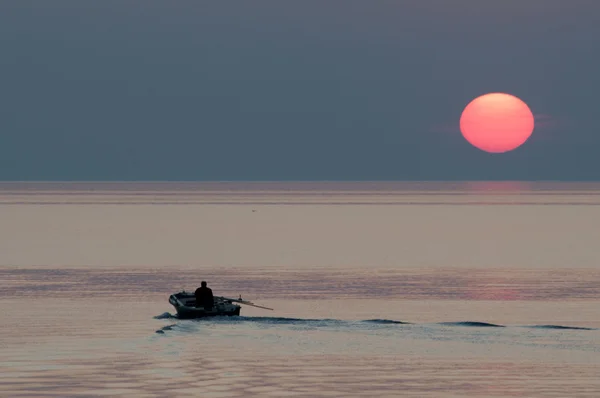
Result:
pixel 378 289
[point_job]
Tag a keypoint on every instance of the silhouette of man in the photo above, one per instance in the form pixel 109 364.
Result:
pixel 204 297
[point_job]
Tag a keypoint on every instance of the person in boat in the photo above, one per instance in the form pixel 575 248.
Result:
pixel 204 297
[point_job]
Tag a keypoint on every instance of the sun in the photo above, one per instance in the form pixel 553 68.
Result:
pixel 496 122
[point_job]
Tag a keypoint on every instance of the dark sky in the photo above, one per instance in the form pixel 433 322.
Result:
pixel 292 90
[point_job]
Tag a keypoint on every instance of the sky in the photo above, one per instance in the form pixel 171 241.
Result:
pixel 303 90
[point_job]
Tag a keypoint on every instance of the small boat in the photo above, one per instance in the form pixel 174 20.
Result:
pixel 185 305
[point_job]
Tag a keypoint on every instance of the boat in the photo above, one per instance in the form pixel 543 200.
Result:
pixel 185 305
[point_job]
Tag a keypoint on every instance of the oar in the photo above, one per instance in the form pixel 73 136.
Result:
pixel 258 306
pixel 244 302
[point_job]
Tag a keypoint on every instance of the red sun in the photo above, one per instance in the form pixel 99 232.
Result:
pixel 496 122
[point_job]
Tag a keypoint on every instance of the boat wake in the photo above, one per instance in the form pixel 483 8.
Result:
pixel 166 328
pixel 386 322
pixel 472 324
pixel 166 315
pixel 559 327
pixel 338 323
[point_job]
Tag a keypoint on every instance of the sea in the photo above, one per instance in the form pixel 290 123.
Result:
pixel 378 289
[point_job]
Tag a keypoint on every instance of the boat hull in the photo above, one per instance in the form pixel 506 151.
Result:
pixel 184 312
